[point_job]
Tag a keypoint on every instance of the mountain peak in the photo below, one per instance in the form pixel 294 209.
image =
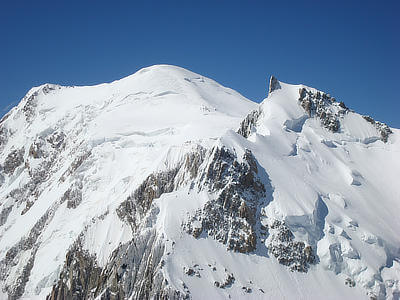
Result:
pixel 142 187
pixel 273 84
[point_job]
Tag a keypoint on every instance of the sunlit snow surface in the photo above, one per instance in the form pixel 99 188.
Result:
pixel 147 122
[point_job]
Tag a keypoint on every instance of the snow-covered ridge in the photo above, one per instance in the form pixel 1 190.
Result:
pixel 165 184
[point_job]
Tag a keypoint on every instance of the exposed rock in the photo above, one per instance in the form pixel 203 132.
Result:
pixel 137 205
pixel 4 214
pixel 287 251
pixel 17 290
pixel 28 244
pixel 57 140
pixel 36 149
pixel 192 271
pixel 31 101
pixel 324 107
pixel 73 195
pixel 247 125
pixel 247 289
pixel 132 272
pixel 79 277
pixel 4 135
pixel 383 129
pixel 350 282
pixel 29 108
pixel 13 161
pixel 229 281
pixel 46 163
pixel 78 161
pixel 273 84
pixel 233 217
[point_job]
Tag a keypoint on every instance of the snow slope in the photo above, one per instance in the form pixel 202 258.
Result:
pixel 145 188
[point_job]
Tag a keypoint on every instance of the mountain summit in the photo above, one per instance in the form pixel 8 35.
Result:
pixel 167 185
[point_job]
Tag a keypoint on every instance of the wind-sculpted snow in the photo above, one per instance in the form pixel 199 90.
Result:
pixel 167 185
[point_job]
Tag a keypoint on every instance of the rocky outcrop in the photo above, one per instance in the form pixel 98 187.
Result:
pixel 31 101
pixel 137 205
pixel 323 106
pixel 4 214
pixel 132 272
pixel 247 125
pixel 78 161
pixel 27 245
pixel 233 217
pixel 273 84
pixel 330 112
pixel 294 254
pixel 79 276
pixel 383 129
pixel 73 195
pixel 13 160
pixel 29 107
pixel 41 162
pixel 4 135
pixel 42 154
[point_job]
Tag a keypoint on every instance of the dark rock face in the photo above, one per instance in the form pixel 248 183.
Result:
pixel 287 251
pixel 249 123
pixel 273 84
pixel 29 109
pixel 4 214
pixel 156 184
pixel 137 204
pixel 4 135
pixel 233 217
pixel 229 281
pixel 383 129
pixel 133 269
pixel 13 161
pixel 79 276
pixel 324 107
pixel 321 105
pixel 350 282
pixel 31 102
pixel 73 195
pixel 133 272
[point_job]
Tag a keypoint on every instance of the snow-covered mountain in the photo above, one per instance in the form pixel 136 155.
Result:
pixel 167 185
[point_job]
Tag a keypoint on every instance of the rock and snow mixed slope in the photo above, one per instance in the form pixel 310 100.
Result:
pixel 165 184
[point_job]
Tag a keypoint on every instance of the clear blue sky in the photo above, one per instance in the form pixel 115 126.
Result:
pixel 349 49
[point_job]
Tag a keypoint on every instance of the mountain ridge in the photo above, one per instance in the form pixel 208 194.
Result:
pixel 110 190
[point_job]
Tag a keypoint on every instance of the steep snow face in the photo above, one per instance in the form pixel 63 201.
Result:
pixel 142 188
pixel 71 154
pixel 334 187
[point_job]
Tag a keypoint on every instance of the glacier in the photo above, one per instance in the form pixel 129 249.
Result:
pixel 167 185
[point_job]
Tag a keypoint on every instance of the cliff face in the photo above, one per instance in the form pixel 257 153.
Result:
pixel 167 185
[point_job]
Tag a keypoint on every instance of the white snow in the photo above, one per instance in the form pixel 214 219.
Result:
pixel 146 122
